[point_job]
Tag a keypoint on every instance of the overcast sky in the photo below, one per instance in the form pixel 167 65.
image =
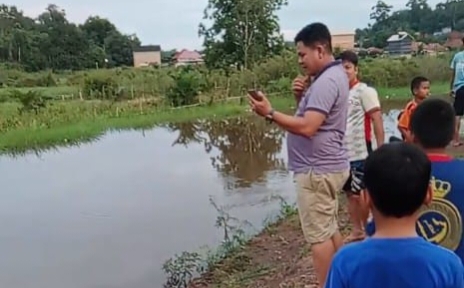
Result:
pixel 174 23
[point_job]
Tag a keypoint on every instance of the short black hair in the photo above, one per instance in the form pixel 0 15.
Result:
pixel 349 56
pixel 417 81
pixel 315 33
pixel 397 177
pixel 432 123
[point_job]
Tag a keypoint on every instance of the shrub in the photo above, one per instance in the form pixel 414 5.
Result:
pixel 100 87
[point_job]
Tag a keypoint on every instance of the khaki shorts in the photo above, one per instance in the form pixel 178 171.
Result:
pixel 317 202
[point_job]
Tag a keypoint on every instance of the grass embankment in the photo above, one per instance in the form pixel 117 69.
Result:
pixel 69 122
pixel 276 257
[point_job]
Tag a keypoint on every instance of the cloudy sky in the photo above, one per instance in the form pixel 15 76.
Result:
pixel 174 23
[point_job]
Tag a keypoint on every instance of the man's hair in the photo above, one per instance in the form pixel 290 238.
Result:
pixel 397 177
pixel 313 34
pixel 432 123
pixel 417 81
pixel 349 56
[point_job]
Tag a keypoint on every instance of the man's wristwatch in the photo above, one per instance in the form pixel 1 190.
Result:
pixel 270 116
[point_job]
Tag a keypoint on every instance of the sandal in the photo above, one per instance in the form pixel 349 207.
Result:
pixel 457 144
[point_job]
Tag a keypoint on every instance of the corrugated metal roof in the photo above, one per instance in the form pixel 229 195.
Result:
pixel 398 37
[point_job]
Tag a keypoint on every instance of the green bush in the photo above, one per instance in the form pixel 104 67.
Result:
pixel 187 85
pixel 100 87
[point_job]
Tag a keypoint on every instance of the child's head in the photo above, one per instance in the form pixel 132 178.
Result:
pixel 420 87
pixel 397 178
pixel 350 63
pixel 432 124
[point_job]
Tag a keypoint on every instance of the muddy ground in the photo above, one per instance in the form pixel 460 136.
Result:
pixel 277 257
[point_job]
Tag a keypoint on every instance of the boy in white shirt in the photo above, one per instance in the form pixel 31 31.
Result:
pixel 364 133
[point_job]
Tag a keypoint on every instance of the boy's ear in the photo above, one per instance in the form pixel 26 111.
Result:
pixel 429 196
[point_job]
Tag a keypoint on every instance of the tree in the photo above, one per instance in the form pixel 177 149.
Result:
pixel 380 11
pixel 417 18
pixel 52 42
pixel 243 32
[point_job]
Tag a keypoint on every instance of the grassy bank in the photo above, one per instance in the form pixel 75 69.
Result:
pixel 276 257
pixel 70 122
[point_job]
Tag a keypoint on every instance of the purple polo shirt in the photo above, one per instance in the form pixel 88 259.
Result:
pixel 325 151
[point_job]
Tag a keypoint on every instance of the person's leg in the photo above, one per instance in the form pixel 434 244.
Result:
pixel 318 202
pixel 337 240
pixel 354 185
pixel 357 233
pixel 318 221
pixel 459 110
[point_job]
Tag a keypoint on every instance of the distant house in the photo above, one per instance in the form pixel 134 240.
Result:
pixel 343 41
pixel 400 44
pixel 147 55
pixel 454 40
pixel 187 57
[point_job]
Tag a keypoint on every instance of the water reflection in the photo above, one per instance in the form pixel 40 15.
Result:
pixel 247 149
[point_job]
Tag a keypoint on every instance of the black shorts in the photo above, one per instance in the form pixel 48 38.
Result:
pixel 355 183
pixel 459 102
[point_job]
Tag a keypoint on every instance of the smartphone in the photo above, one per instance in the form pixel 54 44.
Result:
pixel 254 93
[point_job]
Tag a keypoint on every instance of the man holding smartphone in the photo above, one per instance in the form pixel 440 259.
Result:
pixel 316 152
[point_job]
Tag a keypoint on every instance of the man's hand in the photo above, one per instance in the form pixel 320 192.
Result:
pixel 261 107
pixel 298 86
pixel 451 94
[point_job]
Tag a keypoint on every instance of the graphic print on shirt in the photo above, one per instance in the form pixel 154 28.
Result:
pixel 441 222
pixel 359 127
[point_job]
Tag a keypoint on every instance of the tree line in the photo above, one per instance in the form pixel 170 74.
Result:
pixel 418 17
pixel 242 34
pixel 52 42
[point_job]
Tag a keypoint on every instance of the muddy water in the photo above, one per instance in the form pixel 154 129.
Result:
pixel 108 214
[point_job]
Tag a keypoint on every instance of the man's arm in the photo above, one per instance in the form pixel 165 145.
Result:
pixel 324 93
pixel 377 122
pixel 453 68
pixel 305 126
pixel 371 105
pixel 403 125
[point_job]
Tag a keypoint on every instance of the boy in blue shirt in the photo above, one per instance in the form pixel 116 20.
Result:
pixel 397 177
pixel 432 127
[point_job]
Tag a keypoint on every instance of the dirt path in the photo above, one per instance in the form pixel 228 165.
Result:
pixel 277 257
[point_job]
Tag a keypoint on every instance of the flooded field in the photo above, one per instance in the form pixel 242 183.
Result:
pixel 109 213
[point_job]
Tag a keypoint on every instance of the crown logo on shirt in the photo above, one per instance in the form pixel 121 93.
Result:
pixel 440 188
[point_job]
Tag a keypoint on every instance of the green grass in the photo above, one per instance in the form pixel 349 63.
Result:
pixel 405 92
pixel 55 92
pixel 72 122
pixel 22 139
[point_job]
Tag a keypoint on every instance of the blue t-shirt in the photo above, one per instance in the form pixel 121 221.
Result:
pixel 457 64
pixel 441 223
pixel 395 263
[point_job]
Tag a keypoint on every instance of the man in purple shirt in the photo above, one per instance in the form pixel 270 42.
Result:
pixel 316 153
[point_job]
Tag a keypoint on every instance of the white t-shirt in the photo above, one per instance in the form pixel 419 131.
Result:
pixel 362 100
